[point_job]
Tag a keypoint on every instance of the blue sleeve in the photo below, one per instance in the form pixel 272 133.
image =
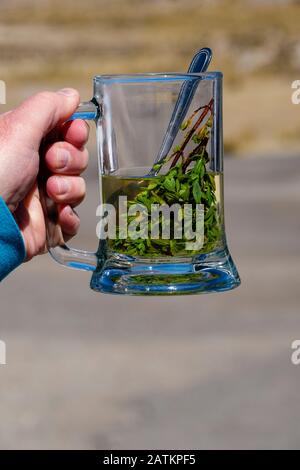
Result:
pixel 12 249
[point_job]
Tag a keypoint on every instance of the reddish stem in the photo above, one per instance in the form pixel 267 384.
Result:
pixel 196 150
pixel 189 135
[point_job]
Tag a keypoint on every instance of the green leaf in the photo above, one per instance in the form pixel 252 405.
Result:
pixel 197 192
pixel 184 191
pixel 197 167
pixel 185 124
pixel 202 171
pixel 169 184
pixel 176 148
pixel 172 172
pixel 156 198
pixel 157 166
pixel 196 138
pixel 209 122
pixel 152 186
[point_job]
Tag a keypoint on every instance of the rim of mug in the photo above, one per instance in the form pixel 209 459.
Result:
pixel 156 76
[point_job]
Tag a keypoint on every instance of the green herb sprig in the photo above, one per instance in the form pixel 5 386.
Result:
pixel 187 181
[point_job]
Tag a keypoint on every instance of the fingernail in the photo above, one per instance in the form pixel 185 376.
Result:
pixel 67 92
pixel 62 158
pixel 63 185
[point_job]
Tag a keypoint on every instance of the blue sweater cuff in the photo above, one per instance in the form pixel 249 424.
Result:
pixel 12 249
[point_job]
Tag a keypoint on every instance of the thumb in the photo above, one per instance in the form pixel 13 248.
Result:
pixel 44 111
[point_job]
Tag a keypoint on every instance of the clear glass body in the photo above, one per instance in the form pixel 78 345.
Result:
pixel 160 151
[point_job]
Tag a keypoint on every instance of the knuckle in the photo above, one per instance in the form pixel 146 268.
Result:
pixel 85 159
pixel 82 185
pixel 46 102
pixel 46 96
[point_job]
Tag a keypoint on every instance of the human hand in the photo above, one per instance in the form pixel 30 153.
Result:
pixel 38 119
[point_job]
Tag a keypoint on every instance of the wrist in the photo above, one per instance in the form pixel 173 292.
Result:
pixel 11 200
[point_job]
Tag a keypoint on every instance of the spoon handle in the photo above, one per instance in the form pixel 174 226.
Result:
pixel 199 64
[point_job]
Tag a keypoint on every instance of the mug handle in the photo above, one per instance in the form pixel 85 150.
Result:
pixel 59 250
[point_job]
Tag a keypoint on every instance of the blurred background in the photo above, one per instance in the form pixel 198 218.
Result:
pixel 86 370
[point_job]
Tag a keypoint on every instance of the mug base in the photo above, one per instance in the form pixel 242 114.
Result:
pixel 215 272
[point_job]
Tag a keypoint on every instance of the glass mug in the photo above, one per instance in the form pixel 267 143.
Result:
pixel 161 227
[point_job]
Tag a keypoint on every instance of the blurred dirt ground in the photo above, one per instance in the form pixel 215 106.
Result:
pixel 86 370
pixel 52 44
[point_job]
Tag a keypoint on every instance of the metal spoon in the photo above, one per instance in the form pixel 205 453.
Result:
pixel 200 63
